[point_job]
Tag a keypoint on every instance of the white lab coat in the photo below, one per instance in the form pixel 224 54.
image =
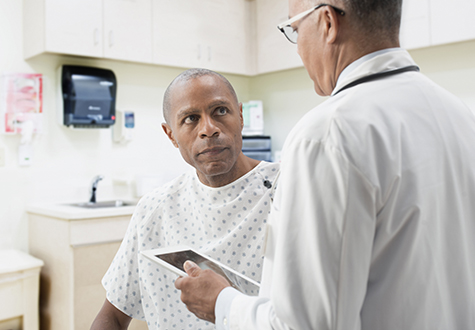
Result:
pixel 373 224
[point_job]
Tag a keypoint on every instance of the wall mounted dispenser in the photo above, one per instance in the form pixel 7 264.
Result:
pixel 122 131
pixel 87 96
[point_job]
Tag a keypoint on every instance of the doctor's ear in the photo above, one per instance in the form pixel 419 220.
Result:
pixel 331 24
pixel 168 131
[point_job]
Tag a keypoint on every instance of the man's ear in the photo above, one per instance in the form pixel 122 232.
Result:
pixel 168 131
pixel 331 24
pixel 240 115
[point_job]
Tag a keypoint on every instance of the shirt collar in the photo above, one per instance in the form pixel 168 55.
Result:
pixel 346 71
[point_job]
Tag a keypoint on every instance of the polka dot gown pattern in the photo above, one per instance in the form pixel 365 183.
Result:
pixel 226 223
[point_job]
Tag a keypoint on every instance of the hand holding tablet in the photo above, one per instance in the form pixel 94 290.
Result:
pixel 173 258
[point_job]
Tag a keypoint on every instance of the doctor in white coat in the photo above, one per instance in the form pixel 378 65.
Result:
pixel 373 224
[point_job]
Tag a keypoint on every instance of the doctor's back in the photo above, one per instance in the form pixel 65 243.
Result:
pixel 405 149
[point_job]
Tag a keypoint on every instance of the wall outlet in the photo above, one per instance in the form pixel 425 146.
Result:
pixel 25 154
pixel 3 156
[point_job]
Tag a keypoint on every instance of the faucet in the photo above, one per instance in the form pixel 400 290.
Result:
pixel 95 181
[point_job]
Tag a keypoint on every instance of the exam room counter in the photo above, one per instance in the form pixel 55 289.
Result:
pixel 77 246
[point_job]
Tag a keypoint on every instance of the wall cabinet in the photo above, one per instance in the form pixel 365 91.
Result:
pixel 435 22
pixel 176 37
pixel 227 27
pixel 452 21
pixel 415 24
pixel 212 34
pixel 128 30
pixel 274 51
pixel 116 29
pixel 238 36
pixel 67 27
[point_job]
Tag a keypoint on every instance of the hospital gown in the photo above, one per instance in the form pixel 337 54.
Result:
pixel 227 223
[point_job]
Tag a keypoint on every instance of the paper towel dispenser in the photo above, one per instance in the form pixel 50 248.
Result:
pixel 87 96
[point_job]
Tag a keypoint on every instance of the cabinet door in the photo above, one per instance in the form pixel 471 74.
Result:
pixel 176 27
pixel 128 30
pixel 452 21
pixel 274 51
pixel 73 27
pixel 415 24
pixel 226 36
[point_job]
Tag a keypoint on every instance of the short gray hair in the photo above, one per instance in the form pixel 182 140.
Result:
pixel 188 75
pixel 373 17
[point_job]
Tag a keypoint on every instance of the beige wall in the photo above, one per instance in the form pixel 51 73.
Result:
pixel 66 160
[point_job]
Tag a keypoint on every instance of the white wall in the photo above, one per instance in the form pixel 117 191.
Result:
pixel 66 160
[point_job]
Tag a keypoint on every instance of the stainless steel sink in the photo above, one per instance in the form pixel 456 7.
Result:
pixel 116 203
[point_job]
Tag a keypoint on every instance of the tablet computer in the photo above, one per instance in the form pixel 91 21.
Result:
pixel 173 258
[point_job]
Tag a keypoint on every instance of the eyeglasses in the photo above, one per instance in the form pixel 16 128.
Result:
pixel 287 29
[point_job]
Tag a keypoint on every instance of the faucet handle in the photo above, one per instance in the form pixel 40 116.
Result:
pixel 94 183
pixel 97 178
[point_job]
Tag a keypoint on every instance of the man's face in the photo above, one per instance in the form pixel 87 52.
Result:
pixel 205 124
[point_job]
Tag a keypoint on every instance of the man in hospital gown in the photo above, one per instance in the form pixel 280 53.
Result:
pixel 219 209
pixel 373 225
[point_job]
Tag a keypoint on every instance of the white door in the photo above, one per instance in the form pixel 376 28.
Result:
pixel 74 27
pixel 452 21
pixel 274 51
pixel 128 30
pixel 176 29
pixel 227 36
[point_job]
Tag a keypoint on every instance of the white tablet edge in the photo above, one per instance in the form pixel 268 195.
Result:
pixel 151 254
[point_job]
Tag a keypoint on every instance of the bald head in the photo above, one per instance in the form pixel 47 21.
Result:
pixel 187 76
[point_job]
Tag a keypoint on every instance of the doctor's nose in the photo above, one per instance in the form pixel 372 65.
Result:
pixel 208 128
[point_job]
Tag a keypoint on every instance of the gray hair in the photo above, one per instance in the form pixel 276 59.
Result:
pixel 373 17
pixel 186 76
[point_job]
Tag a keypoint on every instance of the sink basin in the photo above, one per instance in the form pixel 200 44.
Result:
pixel 116 203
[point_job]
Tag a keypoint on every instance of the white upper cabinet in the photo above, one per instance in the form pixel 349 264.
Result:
pixel 211 34
pixel 176 26
pixel 116 29
pixel 274 51
pixel 59 26
pixel 435 22
pixel 230 36
pixel 452 21
pixel 226 35
pixel 415 24
pixel 128 30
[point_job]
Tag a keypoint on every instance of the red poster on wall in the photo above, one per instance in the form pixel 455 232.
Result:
pixel 21 101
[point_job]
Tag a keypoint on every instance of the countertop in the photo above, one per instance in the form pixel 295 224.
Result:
pixel 13 261
pixel 69 212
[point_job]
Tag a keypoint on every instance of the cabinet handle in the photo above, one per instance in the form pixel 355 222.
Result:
pixel 111 38
pixel 96 36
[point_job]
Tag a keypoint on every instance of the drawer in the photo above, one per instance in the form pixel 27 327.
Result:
pixel 97 231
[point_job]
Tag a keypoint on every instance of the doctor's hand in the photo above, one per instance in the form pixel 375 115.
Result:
pixel 200 290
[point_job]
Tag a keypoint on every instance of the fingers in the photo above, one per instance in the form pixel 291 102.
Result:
pixel 191 268
pixel 178 283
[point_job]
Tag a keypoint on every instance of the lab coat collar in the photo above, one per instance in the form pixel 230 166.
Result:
pixel 380 61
